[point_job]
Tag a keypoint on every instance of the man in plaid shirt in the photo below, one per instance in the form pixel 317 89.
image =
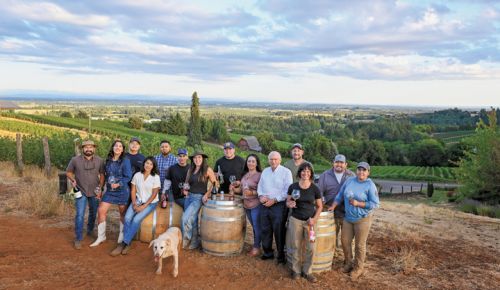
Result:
pixel 165 160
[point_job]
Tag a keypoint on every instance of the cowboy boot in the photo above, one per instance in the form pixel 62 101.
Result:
pixel 120 236
pixel 101 234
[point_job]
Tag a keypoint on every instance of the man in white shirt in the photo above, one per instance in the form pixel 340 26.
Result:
pixel 272 191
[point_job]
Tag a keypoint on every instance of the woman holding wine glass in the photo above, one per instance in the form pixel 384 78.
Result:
pixel 118 172
pixel 197 188
pixel 304 198
pixel 251 203
pixel 360 197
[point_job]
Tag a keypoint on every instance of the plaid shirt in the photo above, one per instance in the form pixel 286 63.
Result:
pixel 163 164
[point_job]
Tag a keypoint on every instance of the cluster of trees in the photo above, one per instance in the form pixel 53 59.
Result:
pixel 79 115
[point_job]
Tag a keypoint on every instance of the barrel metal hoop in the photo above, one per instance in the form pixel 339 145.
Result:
pixel 221 219
pixel 222 254
pixel 328 234
pixel 323 255
pixel 223 242
pixel 223 207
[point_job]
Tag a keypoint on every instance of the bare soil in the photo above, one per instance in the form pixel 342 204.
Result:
pixel 411 246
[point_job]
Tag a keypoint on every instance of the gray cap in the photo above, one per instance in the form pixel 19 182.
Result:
pixel 364 165
pixel 339 158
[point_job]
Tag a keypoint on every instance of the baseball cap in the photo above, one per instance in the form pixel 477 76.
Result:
pixel 228 145
pixel 297 145
pixel 339 158
pixel 182 151
pixel 364 165
pixel 136 139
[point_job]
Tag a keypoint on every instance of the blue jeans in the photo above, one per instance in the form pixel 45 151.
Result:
pixel 253 216
pixel 192 207
pixel 180 202
pixel 133 221
pixel 80 205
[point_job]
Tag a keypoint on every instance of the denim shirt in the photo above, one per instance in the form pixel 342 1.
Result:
pixel 121 170
pixel 364 191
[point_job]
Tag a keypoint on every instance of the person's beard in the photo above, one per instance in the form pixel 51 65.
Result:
pixel 88 153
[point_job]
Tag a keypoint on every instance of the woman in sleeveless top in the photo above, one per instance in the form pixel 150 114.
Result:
pixel 199 181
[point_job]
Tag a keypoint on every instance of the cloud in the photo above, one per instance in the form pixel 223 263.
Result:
pixel 390 40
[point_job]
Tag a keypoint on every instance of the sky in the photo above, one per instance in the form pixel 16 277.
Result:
pixel 425 53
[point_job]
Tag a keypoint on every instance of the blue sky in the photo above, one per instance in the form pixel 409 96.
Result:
pixel 357 52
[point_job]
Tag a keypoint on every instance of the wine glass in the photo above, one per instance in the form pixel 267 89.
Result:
pixel 245 186
pixel 111 180
pixel 97 191
pixel 295 194
pixel 186 186
pixel 350 195
pixel 232 179
pixel 181 185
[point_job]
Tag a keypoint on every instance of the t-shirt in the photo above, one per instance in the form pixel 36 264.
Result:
pixel 306 203
pixel 338 176
pixel 177 174
pixel 230 167
pixel 144 188
pixel 136 161
pixel 290 164
pixel 86 172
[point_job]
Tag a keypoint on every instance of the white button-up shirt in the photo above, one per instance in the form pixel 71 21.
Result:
pixel 274 184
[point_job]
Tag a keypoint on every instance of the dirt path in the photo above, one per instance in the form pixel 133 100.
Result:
pixel 444 250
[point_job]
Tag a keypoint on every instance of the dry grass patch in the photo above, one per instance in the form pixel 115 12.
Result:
pixel 406 259
pixel 41 198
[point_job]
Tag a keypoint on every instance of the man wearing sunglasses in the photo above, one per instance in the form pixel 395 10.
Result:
pixel 86 172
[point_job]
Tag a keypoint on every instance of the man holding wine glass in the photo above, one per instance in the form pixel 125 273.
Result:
pixel 86 172
pixel 229 169
pixel 176 174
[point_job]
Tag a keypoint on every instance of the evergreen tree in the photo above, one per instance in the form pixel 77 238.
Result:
pixel 194 132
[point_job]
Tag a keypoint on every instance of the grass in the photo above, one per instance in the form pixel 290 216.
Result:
pixel 477 208
pixel 406 259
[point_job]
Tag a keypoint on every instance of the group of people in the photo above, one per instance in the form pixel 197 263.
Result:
pixel 282 202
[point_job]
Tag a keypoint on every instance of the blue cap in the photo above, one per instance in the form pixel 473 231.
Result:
pixel 364 165
pixel 228 145
pixel 339 158
pixel 182 151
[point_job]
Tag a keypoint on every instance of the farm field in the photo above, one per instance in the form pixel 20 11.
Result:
pixel 453 136
pixel 40 125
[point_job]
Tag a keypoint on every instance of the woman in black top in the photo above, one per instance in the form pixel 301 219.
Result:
pixel 304 198
pixel 198 186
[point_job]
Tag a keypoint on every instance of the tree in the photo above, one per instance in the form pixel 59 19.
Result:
pixel 135 122
pixel 428 152
pixel 479 171
pixel 81 115
pixel 373 152
pixel 176 125
pixel 66 114
pixel 219 131
pixel 266 141
pixel 194 131
pixel 318 148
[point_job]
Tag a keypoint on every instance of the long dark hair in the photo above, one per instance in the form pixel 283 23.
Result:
pixel 304 166
pixel 111 154
pixel 203 170
pixel 154 170
pixel 258 168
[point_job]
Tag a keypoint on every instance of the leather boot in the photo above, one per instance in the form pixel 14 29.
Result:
pixel 101 234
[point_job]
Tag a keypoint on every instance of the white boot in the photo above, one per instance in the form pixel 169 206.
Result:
pixel 120 236
pixel 101 234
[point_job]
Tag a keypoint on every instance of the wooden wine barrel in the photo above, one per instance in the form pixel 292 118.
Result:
pixel 158 221
pixel 222 227
pixel 324 244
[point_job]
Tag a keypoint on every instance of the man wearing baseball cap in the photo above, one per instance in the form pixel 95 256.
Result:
pixel 329 184
pixel 297 153
pixel 176 174
pixel 229 165
pixel 86 172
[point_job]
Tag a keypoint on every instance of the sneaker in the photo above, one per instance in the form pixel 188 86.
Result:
pixel 295 276
pixel 347 268
pixel 126 249
pixel 185 243
pixel 310 278
pixel 356 273
pixel 282 261
pixel 77 245
pixel 117 251
pixel 254 252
